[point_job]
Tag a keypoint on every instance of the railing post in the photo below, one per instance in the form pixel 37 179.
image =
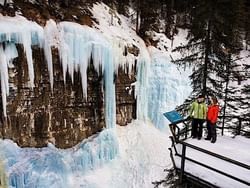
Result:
pixel 183 157
pixel 239 126
pixel 222 128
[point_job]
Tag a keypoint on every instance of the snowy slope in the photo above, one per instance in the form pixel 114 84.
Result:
pixel 143 157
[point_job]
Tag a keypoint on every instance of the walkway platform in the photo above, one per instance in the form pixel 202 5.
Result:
pixel 224 164
pixel 236 149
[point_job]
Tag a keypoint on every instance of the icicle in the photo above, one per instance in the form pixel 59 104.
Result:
pixel 26 38
pixel 51 36
pixel 110 106
pixel 19 30
pixel 6 56
pixel 77 45
pixel 4 78
pixel 142 84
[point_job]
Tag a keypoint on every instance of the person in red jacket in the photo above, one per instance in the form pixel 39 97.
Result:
pixel 212 115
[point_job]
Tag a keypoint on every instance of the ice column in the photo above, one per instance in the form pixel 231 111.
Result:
pixel 77 45
pixel 110 106
pixel 6 56
pixel 142 85
pixel 168 87
pixel 51 38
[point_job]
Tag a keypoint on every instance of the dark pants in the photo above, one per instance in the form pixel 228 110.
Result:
pixel 211 130
pixel 197 127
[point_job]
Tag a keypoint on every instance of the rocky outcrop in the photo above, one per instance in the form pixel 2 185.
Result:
pixel 125 97
pixel 62 116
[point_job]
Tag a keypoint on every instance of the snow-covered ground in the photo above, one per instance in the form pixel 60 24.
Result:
pixel 234 148
pixel 142 159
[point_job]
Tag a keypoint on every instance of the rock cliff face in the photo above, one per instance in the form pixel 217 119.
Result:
pixel 62 116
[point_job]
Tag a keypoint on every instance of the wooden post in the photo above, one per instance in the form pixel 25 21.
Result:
pixel 183 156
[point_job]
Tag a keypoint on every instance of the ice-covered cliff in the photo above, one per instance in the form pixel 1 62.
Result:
pixel 63 82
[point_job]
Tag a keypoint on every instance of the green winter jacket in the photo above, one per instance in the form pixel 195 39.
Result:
pixel 198 110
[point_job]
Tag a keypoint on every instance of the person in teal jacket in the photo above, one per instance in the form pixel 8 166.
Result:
pixel 198 112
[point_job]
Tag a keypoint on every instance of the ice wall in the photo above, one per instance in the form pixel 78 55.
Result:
pixel 160 86
pixel 52 167
pixel 76 44
pixel 168 87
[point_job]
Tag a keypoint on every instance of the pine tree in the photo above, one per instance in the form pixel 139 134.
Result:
pixel 213 32
pixel 149 16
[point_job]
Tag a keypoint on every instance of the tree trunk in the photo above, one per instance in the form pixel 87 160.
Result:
pixel 226 93
pixel 5 3
pixel 207 53
pixel 138 17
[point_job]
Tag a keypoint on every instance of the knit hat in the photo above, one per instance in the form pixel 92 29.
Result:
pixel 201 96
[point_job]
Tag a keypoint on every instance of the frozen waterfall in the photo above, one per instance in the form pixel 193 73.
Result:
pixel 168 87
pixel 77 44
pixel 159 88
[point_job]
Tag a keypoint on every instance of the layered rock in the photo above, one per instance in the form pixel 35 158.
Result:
pixel 62 116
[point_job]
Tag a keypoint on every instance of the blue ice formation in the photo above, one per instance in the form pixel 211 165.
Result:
pixel 19 30
pixel 142 86
pixel 7 54
pixel 52 167
pixel 160 87
pixel 168 87
pixel 76 44
pixel 14 31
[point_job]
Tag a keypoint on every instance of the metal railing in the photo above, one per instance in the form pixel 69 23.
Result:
pixel 221 157
pixel 181 134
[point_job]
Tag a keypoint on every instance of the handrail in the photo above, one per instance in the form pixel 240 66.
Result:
pixel 238 129
pixel 176 139
pixel 217 155
pixel 216 170
pixel 183 158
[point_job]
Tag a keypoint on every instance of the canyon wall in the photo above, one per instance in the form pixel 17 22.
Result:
pixel 62 116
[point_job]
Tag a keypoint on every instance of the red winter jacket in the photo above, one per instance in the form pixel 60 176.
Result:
pixel 212 113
